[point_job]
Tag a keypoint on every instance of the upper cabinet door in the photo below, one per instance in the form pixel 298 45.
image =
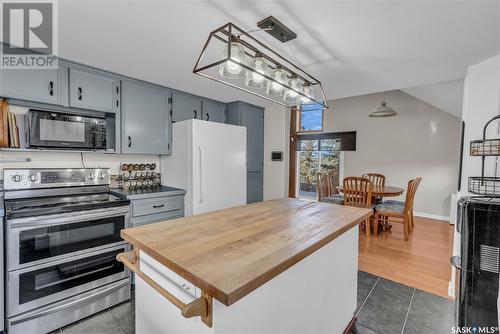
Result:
pixel 253 119
pixel 37 85
pixel 145 117
pixel 185 106
pixel 94 90
pixel 213 111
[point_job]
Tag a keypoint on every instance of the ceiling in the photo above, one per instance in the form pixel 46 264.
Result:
pixel 447 96
pixel 353 47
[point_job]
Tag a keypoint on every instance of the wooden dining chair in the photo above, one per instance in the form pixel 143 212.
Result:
pixel 358 193
pixel 377 179
pixel 397 211
pixel 326 185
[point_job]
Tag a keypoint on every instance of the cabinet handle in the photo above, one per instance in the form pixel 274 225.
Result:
pixel 195 114
pixel 158 206
pixel 117 104
pixel 51 88
pixel 208 117
pixel 129 141
pixel 80 93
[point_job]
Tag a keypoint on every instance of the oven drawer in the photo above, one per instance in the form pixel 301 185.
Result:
pixel 141 207
pixel 37 286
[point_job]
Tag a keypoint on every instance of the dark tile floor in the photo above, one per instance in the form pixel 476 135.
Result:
pixel 387 307
pixel 384 307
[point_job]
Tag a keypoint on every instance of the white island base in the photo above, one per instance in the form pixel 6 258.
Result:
pixel 316 295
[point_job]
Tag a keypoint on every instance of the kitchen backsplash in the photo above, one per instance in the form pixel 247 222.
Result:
pixel 72 160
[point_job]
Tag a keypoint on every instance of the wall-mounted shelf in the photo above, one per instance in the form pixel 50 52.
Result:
pixel 484 185
pixel 485 147
pixel 487 186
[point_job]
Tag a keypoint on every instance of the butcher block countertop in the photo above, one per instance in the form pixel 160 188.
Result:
pixel 231 252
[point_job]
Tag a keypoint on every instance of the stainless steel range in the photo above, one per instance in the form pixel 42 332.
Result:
pixel 62 236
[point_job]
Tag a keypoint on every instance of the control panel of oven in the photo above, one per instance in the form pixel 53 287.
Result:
pixel 16 179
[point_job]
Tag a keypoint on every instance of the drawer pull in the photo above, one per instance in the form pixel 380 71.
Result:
pixel 199 307
pixel 158 206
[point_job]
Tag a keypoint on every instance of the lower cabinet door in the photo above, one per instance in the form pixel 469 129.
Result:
pixel 255 187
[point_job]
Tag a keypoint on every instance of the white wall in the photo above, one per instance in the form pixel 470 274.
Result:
pixel 421 141
pixel 275 139
pixel 481 103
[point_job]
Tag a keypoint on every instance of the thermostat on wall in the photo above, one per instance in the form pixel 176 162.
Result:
pixel 277 156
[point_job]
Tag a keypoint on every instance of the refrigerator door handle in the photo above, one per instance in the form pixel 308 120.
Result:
pixel 201 174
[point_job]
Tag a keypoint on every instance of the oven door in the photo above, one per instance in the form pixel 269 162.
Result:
pixel 40 285
pixel 62 130
pixel 36 240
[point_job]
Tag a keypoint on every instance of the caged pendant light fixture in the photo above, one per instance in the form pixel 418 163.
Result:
pixel 233 57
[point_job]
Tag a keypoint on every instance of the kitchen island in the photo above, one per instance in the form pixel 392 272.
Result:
pixel 280 266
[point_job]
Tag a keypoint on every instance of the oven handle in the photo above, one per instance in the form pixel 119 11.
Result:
pixel 67 218
pixel 98 295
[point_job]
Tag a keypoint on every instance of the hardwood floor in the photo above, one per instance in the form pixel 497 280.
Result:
pixel 423 262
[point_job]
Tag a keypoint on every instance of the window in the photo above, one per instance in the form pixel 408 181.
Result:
pixel 311 117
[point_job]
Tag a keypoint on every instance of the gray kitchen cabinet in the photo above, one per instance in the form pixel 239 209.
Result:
pixel 185 106
pixel 37 85
pixel 145 117
pixel 255 185
pixel 252 117
pixel 93 89
pixel 213 111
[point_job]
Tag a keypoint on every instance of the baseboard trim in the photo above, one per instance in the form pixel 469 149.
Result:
pixel 431 216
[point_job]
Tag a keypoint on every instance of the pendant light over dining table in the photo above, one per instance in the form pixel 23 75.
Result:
pixel 383 111
pixel 233 57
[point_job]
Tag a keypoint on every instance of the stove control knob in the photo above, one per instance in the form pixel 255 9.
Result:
pixel 103 175
pixel 16 178
pixel 91 176
pixel 33 177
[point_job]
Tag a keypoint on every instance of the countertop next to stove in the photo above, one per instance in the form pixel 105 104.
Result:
pixel 149 192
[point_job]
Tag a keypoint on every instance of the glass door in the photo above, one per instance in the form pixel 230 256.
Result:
pixel 314 156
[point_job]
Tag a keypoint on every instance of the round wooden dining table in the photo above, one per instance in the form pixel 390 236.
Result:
pixel 382 191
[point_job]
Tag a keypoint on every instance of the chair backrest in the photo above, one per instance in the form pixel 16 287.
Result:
pixel 410 193
pixel 377 179
pixel 357 191
pixel 323 185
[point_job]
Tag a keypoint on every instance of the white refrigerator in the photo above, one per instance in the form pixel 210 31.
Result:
pixel 208 160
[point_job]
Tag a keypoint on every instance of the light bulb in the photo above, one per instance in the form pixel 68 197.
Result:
pixel 260 65
pixel 308 92
pixel 232 68
pixel 276 88
pixel 292 95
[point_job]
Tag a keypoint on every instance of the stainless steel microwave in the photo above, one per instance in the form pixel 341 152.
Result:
pixel 51 129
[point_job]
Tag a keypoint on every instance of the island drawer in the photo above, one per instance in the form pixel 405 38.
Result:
pixel 155 205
